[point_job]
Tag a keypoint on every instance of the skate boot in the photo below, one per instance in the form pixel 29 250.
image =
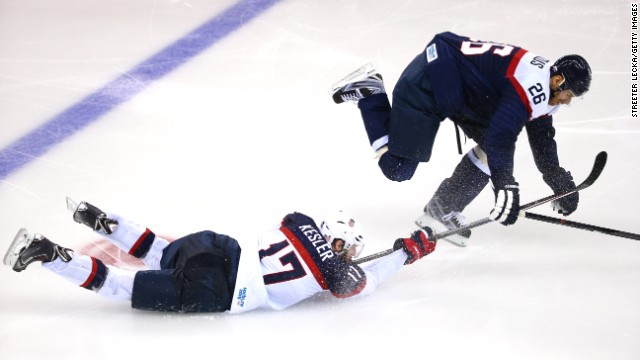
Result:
pixel 436 214
pixel 358 85
pixel 26 249
pixel 91 216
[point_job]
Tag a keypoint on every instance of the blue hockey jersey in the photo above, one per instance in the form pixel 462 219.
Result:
pixel 492 91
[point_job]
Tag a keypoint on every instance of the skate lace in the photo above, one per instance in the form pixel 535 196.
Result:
pixel 351 96
pixel 455 217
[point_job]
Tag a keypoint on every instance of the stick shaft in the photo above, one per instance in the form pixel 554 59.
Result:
pixel 596 170
pixel 583 226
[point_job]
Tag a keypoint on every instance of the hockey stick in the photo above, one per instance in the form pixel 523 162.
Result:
pixel 582 226
pixel 598 166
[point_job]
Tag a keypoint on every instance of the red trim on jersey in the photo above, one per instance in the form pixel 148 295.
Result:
pixel 516 85
pixel 94 270
pixel 139 241
pixel 306 257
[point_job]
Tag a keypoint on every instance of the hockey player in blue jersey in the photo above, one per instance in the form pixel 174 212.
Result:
pixel 211 272
pixel 489 90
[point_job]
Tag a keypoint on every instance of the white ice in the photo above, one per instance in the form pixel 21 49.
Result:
pixel 246 132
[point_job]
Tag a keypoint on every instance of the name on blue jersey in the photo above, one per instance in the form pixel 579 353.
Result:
pixel 317 240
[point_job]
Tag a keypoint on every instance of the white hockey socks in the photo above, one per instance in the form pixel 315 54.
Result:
pixel 138 241
pixel 92 274
pixel 152 259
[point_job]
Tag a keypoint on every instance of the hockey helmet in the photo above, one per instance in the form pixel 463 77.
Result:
pixel 576 72
pixel 342 233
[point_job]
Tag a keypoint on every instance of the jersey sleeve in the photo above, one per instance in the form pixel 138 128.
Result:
pixel 345 279
pixel 505 126
pixel 382 269
pixel 364 280
pixel 541 133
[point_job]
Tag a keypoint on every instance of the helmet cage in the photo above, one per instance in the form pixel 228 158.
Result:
pixel 340 226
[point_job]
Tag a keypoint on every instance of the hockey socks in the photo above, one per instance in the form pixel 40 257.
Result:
pixel 92 274
pixel 138 241
pixel 466 182
pixel 132 238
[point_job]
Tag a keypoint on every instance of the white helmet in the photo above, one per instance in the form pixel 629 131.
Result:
pixel 339 225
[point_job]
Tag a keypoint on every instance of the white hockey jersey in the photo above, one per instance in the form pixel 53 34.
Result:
pixel 294 262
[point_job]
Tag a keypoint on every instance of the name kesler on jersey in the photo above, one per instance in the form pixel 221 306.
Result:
pixel 529 74
pixel 304 235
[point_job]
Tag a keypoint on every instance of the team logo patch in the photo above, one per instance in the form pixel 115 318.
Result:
pixel 242 296
pixel 432 52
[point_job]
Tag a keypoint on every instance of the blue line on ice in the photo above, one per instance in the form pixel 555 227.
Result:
pixel 123 88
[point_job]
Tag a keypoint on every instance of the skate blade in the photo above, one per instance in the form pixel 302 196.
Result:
pixel 71 205
pixel 455 239
pixel 20 241
pixel 363 72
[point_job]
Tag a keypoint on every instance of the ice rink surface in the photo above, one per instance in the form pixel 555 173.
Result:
pixel 192 115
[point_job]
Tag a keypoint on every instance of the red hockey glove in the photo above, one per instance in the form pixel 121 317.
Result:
pixel 418 245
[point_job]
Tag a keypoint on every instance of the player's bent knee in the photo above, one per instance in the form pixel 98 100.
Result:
pixel 396 168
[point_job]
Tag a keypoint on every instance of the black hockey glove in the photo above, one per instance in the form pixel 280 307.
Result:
pixel 507 206
pixel 418 245
pixel 561 181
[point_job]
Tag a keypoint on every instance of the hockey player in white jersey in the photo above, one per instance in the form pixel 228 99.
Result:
pixel 211 272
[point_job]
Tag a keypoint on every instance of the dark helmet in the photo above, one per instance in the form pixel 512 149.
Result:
pixel 576 73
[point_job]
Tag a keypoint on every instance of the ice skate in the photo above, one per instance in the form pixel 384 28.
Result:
pixel 27 248
pixel 358 85
pixel 439 216
pixel 91 216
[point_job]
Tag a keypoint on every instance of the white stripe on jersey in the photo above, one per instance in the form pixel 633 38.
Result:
pixel 535 83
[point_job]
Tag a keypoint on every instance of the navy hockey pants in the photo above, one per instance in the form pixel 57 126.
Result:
pixel 198 274
pixel 412 123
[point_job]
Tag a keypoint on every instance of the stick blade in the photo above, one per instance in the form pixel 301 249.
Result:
pixel 598 166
